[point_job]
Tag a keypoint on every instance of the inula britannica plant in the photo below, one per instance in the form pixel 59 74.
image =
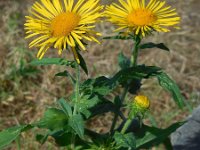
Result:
pixel 68 25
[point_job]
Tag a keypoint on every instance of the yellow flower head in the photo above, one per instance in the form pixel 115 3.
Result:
pixel 141 101
pixel 141 18
pixel 62 24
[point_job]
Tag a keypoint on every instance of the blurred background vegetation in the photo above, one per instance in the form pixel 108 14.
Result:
pixel 25 91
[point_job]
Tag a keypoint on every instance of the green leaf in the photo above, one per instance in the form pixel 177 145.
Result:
pixel 62 74
pixel 41 138
pixel 82 63
pixel 65 138
pixel 9 135
pixel 125 140
pixel 87 102
pixel 123 61
pixel 53 119
pixel 103 85
pixel 147 136
pixel 167 83
pixel 65 107
pixel 66 74
pixel 153 45
pixel 53 61
pixel 77 124
pixel 138 72
pixel 102 108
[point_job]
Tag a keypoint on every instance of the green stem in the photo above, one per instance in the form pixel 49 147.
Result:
pixel 133 63
pixel 135 51
pixel 18 143
pixel 77 88
pixel 123 96
pixel 126 125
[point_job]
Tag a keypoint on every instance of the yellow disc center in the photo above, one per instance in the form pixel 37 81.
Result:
pixel 64 23
pixel 141 17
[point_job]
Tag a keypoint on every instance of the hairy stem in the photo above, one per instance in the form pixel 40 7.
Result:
pixel 133 63
pixel 77 88
pixel 135 51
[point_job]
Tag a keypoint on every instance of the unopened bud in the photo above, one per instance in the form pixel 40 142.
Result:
pixel 139 106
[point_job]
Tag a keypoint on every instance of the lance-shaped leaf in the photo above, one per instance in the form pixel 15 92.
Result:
pixel 65 106
pixel 167 83
pixel 153 45
pixel 147 136
pixel 82 63
pixel 77 124
pixel 52 61
pixel 7 136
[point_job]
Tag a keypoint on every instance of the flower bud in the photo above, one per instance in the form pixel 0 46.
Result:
pixel 141 102
pixel 139 106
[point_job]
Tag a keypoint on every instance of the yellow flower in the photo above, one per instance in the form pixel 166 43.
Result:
pixel 62 24
pixel 141 101
pixel 141 18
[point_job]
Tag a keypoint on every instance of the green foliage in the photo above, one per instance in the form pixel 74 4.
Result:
pixel 77 123
pixel 103 85
pixel 65 106
pixel 125 140
pixel 153 45
pixel 82 63
pixel 87 102
pixel 9 135
pixel 147 136
pixel 123 61
pixel 54 119
pixel 53 61
pixel 41 138
pixel 167 83
pixel 93 97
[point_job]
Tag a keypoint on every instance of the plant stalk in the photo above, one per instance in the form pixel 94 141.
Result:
pixel 126 125
pixel 77 88
pixel 133 64
pixel 135 51
pixel 123 96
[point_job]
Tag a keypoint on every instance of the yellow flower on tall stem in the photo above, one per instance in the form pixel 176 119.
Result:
pixel 62 24
pixel 140 18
